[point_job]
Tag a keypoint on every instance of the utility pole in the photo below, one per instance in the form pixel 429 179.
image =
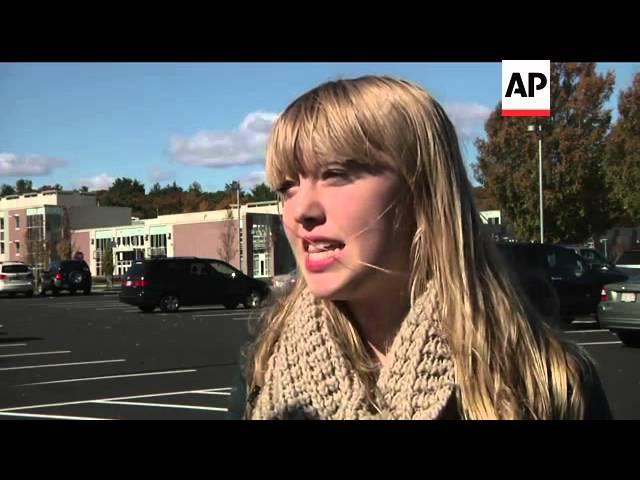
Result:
pixel 239 229
pixel 532 128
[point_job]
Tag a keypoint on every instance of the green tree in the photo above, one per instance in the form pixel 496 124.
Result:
pixel 126 192
pixel 573 137
pixel 623 157
pixel 195 187
pixel 262 193
pixel 7 190
pixel 24 186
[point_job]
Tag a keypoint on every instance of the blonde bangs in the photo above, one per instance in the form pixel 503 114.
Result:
pixel 325 126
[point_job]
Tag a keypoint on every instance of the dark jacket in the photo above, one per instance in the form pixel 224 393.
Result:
pixel 596 403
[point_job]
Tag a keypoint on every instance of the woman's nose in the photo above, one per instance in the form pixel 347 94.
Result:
pixel 308 208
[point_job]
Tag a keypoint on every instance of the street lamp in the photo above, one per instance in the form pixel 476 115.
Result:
pixel 532 128
pixel 239 228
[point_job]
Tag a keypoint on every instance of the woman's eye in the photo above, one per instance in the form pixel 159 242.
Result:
pixel 284 188
pixel 335 173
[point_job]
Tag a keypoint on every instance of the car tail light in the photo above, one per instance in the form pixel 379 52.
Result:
pixel 2 276
pixel 58 276
pixel 604 295
pixel 140 283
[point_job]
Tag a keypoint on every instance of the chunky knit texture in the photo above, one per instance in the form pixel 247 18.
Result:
pixel 308 377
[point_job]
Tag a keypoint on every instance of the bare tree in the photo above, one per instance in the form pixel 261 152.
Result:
pixel 65 247
pixel 228 248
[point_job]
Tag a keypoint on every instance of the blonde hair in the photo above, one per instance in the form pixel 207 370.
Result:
pixel 509 364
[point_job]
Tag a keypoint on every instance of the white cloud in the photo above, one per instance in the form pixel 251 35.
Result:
pixel 244 145
pixel 99 182
pixel 33 165
pixel 252 179
pixel 468 118
pixel 158 174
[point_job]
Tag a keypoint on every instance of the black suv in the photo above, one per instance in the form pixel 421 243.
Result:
pixel 559 283
pixel 169 283
pixel 71 275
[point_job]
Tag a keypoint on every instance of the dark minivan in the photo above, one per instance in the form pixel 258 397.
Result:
pixel 70 275
pixel 559 283
pixel 169 283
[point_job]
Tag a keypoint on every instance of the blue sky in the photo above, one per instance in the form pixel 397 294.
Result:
pixel 89 123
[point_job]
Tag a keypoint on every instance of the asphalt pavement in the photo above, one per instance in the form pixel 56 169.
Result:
pixel 92 357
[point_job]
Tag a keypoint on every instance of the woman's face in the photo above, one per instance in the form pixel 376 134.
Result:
pixel 340 219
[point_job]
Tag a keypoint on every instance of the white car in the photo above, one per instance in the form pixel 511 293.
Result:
pixel 16 277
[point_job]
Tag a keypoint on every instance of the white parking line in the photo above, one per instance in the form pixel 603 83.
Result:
pixel 151 395
pixel 107 377
pixel 37 353
pixel 226 394
pixel 587 331
pixel 14 345
pixel 58 417
pixel 63 364
pixel 600 343
pixel 66 304
pixel 584 321
pixel 162 405
pixel 221 314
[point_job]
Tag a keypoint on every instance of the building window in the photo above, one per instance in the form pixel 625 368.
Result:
pixel 17 247
pixel 17 221
pixel 1 223
pixel 1 248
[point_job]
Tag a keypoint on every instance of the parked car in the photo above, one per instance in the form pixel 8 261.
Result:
pixel 169 283
pixel 592 256
pixel 70 275
pixel 619 310
pixel 558 282
pixel 629 262
pixel 16 277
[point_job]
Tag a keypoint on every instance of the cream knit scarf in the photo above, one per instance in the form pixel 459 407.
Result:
pixel 308 377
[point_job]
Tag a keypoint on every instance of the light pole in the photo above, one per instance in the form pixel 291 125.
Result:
pixel 604 240
pixel 239 231
pixel 532 128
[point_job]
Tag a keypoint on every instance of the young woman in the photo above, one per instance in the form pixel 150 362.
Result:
pixel 402 308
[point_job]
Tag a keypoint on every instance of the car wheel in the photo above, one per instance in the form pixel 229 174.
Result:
pixel 630 339
pixel 87 291
pixel 28 294
pixel 252 300
pixel 170 303
pixel 12 295
pixel 72 291
pixel 230 305
pixel 147 308
pixel 75 278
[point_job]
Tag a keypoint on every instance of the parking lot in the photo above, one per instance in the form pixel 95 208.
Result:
pixel 92 357
pixel 76 357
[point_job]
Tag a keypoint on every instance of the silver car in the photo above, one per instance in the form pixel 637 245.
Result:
pixel 16 277
pixel 619 310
